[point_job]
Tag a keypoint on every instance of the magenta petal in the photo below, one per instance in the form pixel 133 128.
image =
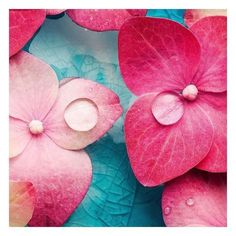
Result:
pixel 23 25
pixel 106 101
pixel 33 87
pixel 21 203
pixel 193 15
pixel 195 199
pixel 215 105
pixel 61 179
pixel 102 20
pixel 156 55
pixel 160 153
pixel 54 11
pixel 212 35
pixel 19 136
pixel 168 108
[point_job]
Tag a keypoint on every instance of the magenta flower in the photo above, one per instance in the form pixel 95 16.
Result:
pixel 24 23
pixel 195 199
pixel 103 20
pixel 179 120
pixel 49 125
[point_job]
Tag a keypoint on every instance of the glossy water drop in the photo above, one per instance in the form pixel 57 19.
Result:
pixel 190 202
pixel 167 210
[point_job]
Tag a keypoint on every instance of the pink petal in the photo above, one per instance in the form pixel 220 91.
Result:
pixel 193 15
pixel 195 199
pixel 33 87
pixel 215 105
pixel 54 11
pixel 22 201
pixel 167 108
pixel 106 101
pixel 61 179
pixel 19 136
pixel 212 36
pixel 156 55
pixel 102 20
pixel 160 153
pixel 23 25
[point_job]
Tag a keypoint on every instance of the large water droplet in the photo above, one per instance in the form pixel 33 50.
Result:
pixel 190 202
pixel 167 210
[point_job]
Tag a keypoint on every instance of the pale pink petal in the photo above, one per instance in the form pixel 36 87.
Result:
pixel 195 199
pixel 21 203
pixel 168 108
pixel 212 36
pixel 23 25
pixel 215 106
pixel 61 179
pixel 19 136
pixel 160 153
pixel 102 20
pixel 156 55
pixel 33 87
pixel 54 11
pixel 106 101
pixel 193 15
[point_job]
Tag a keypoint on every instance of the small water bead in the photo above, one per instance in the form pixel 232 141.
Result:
pixel 167 210
pixel 190 202
pixel 190 92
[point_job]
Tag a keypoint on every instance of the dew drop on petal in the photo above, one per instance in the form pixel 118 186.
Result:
pixel 167 210
pixel 81 114
pixel 190 202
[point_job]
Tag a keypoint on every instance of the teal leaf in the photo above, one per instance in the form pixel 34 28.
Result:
pixel 173 14
pixel 115 198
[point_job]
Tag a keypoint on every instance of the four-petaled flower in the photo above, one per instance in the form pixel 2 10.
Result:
pixel 49 125
pixel 179 120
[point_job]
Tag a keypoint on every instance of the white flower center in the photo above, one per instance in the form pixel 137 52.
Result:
pixel 36 127
pixel 190 92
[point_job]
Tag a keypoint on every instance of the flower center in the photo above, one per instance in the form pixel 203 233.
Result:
pixel 190 92
pixel 36 127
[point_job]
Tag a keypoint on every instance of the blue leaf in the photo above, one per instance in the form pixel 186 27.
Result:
pixel 173 14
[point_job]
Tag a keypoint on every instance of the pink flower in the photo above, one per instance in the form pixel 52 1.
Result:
pixel 179 119
pixel 24 23
pixel 195 199
pixel 103 20
pixel 49 125
pixel 21 203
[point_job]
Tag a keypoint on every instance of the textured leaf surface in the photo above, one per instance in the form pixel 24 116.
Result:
pixel 115 198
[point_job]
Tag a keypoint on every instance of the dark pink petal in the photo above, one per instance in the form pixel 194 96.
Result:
pixel 23 25
pixel 21 203
pixel 102 20
pixel 60 177
pixel 195 199
pixel 212 35
pixel 160 153
pixel 19 136
pixel 54 11
pixel 73 92
pixel 215 106
pixel 193 15
pixel 156 55
pixel 33 87
pixel 168 108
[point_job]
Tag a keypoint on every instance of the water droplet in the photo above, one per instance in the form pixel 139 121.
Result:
pixel 167 210
pixel 90 90
pixel 190 202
